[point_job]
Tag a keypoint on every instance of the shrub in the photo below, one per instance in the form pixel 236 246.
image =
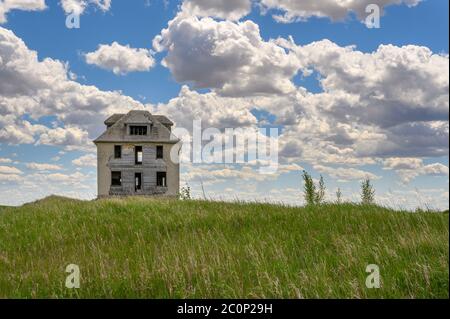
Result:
pixel 367 192
pixel 313 195
pixel 320 194
pixel 339 196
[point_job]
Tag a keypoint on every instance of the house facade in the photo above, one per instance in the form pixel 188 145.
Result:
pixel 134 156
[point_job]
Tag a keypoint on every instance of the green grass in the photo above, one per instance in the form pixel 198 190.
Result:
pixel 141 248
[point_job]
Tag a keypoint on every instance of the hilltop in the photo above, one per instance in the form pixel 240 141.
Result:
pixel 144 248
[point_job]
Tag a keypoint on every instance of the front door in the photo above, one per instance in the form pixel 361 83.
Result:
pixel 138 181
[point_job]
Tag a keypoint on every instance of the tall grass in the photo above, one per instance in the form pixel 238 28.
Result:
pixel 141 248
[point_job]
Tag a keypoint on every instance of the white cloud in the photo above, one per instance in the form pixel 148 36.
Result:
pixel 65 136
pixel 43 88
pixel 223 9
pixel 212 109
pixel 405 83
pixel 121 59
pixel 295 10
pixel 291 10
pixel 346 174
pixel 89 160
pixel 9 178
pixel 411 168
pixel 391 102
pixel 43 167
pixel 436 169
pixel 235 56
pixel 25 5
pixel 79 6
pixel 9 170
pixel 5 160
pixel 397 163
pixel 66 178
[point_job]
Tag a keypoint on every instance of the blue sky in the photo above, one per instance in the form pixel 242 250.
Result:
pixel 137 23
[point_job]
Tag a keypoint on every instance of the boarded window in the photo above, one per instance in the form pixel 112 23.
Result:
pixel 138 130
pixel 159 152
pixel 117 151
pixel 138 154
pixel 161 179
pixel 116 178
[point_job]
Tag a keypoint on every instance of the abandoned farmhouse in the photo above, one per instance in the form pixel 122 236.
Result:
pixel 133 156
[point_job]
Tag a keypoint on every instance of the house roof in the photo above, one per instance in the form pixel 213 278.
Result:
pixel 116 117
pixel 163 119
pixel 113 119
pixel 117 132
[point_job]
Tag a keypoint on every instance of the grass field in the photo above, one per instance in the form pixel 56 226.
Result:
pixel 141 248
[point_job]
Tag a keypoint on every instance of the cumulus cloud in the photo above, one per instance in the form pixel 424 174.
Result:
pixel 73 137
pixel 9 170
pixel 294 10
pixel 405 83
pixel 25 5
pixel 397 163
pixel 88 160
pixel 291 10
pixel 345 174
pixel 9 178
pixel 436 169
pixel 411 168
pixel 390 102
pixel 5 160
pixel 43 167
pixel 39 88
pixel 121 59
pixel 223 9
pixel 212 109
pixel 238 60
pixel 79 6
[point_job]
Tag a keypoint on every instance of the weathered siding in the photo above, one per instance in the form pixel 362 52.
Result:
pixel 104 152
pixel 149 168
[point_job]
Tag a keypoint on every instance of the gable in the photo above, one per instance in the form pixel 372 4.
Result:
pixel 119 130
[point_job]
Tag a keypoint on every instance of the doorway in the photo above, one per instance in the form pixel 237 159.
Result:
pixel 138 181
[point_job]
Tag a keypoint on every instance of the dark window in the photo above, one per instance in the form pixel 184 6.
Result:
pixel 138 130
pixel 138 181
pixel 159 152
pixel 138 154
pixel 161 179
pixel 116 178
pixel 117 151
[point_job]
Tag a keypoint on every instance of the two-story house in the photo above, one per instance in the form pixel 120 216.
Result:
pixel 134 156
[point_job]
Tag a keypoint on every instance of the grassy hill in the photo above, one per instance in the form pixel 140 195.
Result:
pixel 141 248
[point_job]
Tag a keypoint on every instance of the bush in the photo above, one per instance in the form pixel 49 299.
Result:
pixel 367 192
pixel 339 196
pixel 313 195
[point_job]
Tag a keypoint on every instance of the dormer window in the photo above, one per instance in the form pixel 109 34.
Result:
pixel 138 130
